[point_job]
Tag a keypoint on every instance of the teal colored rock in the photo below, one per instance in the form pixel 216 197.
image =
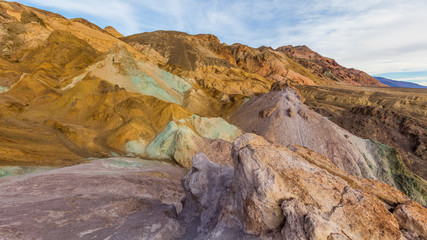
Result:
pixel 6 171
pixel 119 67
pixel 175 83
pixel 162 147
pixel 171 81
pixel 187 144
pixel 148 86
pixel 3 89
pixel 136 147
pixel 394 170
pixel 181 139
pixel 214 128
pixel 153 81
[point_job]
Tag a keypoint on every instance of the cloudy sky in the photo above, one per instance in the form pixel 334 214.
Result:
pixel 381 37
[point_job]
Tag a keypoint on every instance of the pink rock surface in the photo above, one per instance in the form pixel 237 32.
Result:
pixel 105 199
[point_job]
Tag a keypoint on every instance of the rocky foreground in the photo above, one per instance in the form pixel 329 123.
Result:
pixel 272 192
pixel 275 192
pixel 116 198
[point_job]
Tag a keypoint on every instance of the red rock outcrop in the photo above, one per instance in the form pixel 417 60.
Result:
pixel 327 67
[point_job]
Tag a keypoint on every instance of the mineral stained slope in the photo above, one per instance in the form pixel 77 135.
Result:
pixel 282 118
pixel 405 133
pixel 394 116
pixel 71 90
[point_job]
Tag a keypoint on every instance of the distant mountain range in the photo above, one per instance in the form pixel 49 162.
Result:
pixel 402 84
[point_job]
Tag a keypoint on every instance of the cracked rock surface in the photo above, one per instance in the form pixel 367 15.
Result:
pixel 274 192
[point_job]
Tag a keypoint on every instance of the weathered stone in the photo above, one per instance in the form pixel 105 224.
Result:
pixel 279 193
pixel 412 220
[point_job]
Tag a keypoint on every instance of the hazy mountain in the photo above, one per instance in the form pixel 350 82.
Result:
pixel 401 84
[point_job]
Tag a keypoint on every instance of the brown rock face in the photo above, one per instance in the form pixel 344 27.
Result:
pixel 232 69
pixel 282 194
pixel 327 67
pixel 202 58
pixel 203 52
pixel 272 64
pixel 186 51
pixel 113 32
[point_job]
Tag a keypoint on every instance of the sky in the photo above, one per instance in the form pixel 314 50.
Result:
pixel 385 38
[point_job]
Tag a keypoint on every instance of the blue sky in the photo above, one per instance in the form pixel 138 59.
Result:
pixel 381 37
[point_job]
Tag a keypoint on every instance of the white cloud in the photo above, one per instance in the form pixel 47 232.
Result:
pixel 376 36
pixel 121 13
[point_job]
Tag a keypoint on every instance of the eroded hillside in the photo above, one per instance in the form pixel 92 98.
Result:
pixel 81 106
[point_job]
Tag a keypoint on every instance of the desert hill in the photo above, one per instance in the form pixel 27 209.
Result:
pixel 280 117
pixel 394 116
pixel 205 53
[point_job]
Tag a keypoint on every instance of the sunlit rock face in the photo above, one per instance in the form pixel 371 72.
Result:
pixel 204 56
pixel 272 192
pixel 327 67
pixel 275 192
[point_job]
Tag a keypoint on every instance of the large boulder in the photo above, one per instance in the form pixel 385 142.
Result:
pixel 184 138
pixel 278 193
